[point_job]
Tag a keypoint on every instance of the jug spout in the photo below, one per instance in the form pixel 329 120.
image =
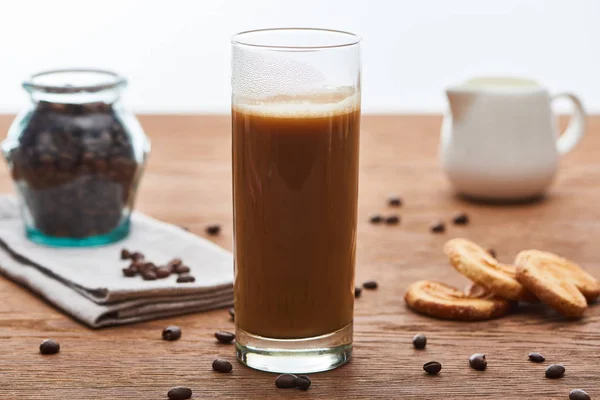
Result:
pixel 460 100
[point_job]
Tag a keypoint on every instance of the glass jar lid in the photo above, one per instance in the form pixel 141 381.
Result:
pixel 74 80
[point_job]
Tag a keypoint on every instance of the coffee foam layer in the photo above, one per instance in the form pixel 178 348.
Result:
pixel 301 106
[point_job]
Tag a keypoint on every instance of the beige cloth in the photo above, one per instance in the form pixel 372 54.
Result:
pixel 88 283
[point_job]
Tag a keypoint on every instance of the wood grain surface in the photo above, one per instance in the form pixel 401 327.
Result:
pixel 188 182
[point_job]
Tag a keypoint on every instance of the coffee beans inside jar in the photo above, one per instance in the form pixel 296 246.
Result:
pixel 76 156
pixel 76 169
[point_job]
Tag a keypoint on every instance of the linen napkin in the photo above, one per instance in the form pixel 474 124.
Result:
pixel 88 283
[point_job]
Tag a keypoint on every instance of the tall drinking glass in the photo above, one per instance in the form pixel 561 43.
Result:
pixel 296 117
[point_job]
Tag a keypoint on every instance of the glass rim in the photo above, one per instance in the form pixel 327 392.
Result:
pixel 117 81
pixel 353 39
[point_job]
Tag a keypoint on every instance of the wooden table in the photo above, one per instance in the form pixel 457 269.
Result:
pixel 188 182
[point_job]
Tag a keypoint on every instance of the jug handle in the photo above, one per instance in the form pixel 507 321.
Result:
pixel 576 128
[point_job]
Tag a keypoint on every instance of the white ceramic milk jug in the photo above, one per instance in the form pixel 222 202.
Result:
pixel 500 140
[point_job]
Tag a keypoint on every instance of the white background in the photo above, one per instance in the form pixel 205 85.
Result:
pixel 176 52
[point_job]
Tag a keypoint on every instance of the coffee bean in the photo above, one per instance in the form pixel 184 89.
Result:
pixel 419 341
pixel 492 253
pixel 536 357
pixel 232 313
pixel 376 219
pixel 125 254
pixel 432 367
pixel 179 393
pixel 555 371
pixel 357 292
pixel 370 285
pixel 578 394
pixel 162 272
pixel 286 381
pixel 303 382
pixel 137 256
pixel 147 267
pixel 213 230
pixel 49 346
pixel 149 275
pixel 478 362
pixel 182 269
pixel 437 227
pixel 460 218
pixel 171 333
pixel 129 272
pixel 174 263
pixel 221 365
pixel 185 278
pixel 392 220
pixel 224 337
pixel 137 266
pixel 395 201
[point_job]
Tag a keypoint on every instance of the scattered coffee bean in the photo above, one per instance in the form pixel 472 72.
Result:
pixel 179 393
pixel 232 313
pixel 137 266
pixel 162 272
pixel 460 218
pixel 578 394
pixel 303 382
pixel 213 230
pixel 492 253
pixel 149 275
pixel 555 371
pixel 370 285
pixel 376 219
pixel 147 267
pixel 437 227
pixel 182 269
pixel 224 337
pixel 221 365
pixel 419 341
pixel 286 381
pixel 392 220
pixel 185 278
pixel 125 254
pixel 536 357
pixel 129 272
pixel 357 292
pixel 171 333
pixel 478 362
pixel 137 256
pixel 432 367
pixel 174 263
pixel 49 346
pixel 395 201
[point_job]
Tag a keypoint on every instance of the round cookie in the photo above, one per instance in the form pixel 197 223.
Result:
pixel 479 266
pixel 439 300
pixel 555 281
pixel 477 291
pixel 587 284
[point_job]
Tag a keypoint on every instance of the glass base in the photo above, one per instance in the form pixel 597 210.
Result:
pixel 297 356
pixel 113 236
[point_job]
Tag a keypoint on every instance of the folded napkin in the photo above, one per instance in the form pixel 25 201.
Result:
pixel 88 283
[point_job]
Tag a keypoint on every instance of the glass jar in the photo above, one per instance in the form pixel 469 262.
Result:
pixel 76 157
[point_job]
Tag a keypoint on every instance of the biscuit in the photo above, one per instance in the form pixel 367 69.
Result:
pixel 439 300
pixel 587 284
pixel 477 291
pixel 479 266
pixel 556 281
